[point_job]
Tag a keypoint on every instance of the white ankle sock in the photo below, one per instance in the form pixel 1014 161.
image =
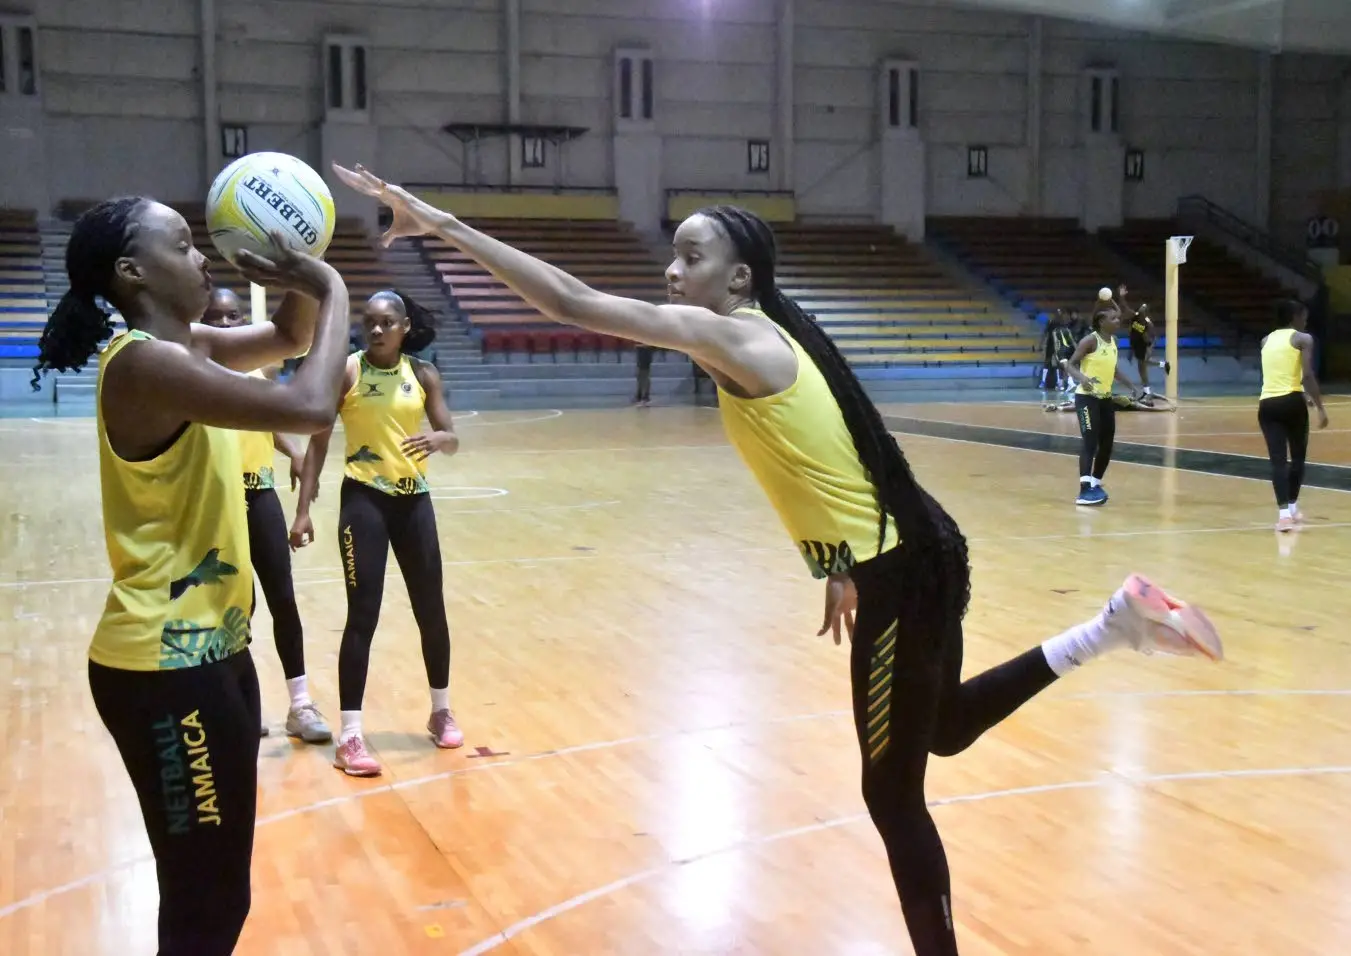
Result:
pixel 299 688
pixel 351 725
pixel 440 699
pixel 1080 644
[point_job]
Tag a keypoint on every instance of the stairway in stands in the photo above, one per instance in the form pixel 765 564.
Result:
pixel 893 311
pixel 458 356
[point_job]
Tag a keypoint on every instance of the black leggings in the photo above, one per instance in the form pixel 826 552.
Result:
pixel 910 701
pixel 189 740
pixel 369 523
pixel 1097 426
pixel 269 541
pixel 1285 425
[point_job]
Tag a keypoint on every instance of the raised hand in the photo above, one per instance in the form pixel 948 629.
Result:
pixel 412 216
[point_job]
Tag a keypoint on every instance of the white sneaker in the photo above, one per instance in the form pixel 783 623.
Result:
pixel 1153 621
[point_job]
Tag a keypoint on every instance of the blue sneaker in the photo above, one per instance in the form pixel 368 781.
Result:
pixel 1092 496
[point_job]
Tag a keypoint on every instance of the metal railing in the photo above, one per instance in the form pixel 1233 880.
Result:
pixel 1194 208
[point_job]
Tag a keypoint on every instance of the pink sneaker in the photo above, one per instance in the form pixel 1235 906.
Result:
pixel 445 733
pixel 1285 523
pixel 1158 622
pixel 353 759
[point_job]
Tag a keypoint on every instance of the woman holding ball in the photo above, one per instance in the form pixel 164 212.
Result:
pixel 385 503
pixel 169 665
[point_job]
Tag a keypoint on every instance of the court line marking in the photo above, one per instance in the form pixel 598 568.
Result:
pixel 911 436
pixel 1108 778
pixel 392 787
pixel 1122 440
pixel 630 555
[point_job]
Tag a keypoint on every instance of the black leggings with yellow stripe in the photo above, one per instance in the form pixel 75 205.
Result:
pixel 909 702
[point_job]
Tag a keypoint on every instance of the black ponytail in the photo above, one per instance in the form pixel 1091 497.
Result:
pixel 421 320
pixel 924 527
pixel 78 324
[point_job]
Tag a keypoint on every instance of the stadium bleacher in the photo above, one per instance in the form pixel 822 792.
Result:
pixel 23 288
pixel 887 303
pixel 1043 264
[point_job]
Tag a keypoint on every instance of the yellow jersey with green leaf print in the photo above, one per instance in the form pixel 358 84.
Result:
pixel 799 449
pixel 1101 365
pixel 178 542
pixel 382 408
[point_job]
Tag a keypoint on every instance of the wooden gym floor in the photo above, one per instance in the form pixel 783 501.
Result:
pixel 660 758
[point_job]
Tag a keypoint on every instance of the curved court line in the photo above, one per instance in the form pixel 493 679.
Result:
pixel 108 871
pixel 550 415
pixel 581 506
pixel 558 909
pixel 491 492
pixel 456 416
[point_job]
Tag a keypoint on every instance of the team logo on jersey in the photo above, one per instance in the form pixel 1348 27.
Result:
pixel 363 453
pixel 372 390
pixel 210 570
pixel 407 388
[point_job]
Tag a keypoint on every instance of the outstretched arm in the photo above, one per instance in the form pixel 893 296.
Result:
pixel 707 337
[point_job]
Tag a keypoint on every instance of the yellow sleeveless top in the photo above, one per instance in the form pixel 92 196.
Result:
pixel 1100 364
pixel 798 447
pixel 255 451
pixel 178 543
pixel 1282 365
pixel 383 407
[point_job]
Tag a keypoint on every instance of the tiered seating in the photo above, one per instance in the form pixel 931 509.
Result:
pixel 23 291
pixel 886 303
pixel 1041 265
pixel 1222 284
pixel 607 255
pixel 352 253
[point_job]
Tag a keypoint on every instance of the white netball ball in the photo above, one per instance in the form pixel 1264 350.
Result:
pixel 1105 294
pixel 263 192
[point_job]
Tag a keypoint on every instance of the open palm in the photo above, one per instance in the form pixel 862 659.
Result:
pixel 412 216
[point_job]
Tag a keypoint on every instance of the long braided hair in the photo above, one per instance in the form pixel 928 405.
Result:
pixel 939 569
pixel 101 236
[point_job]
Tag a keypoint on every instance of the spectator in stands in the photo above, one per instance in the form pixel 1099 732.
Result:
pixel 384 503
pixel 843 489
pixel 1057 346
pixel 169 664
pixel 643 397
pixel 269 547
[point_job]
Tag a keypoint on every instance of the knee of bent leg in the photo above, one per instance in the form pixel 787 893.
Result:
pixel 890 790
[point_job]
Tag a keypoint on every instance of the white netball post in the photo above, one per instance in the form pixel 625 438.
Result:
pixel 257 303
pixel 1175 254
